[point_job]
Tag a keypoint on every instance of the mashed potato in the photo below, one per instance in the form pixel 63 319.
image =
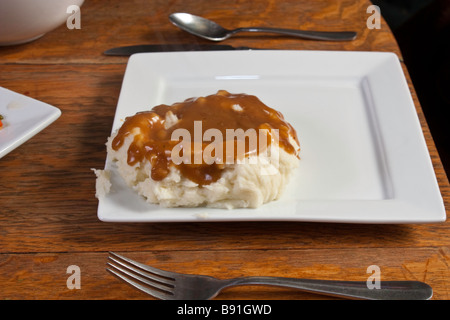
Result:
pixel 259 179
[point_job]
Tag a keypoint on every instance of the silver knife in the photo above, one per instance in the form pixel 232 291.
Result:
pixel 129 50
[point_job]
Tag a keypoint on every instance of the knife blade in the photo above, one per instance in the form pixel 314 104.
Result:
pixel 129 50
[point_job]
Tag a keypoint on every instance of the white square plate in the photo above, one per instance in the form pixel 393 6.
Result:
pixel 363 154
pixel 24 117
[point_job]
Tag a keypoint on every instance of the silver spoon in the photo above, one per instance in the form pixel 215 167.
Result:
pixel 210 30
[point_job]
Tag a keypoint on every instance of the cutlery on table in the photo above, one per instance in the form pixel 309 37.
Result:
pixel 167 285
pixel 210 30
pixel 129 50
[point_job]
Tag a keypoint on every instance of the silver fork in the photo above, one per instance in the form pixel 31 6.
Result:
pixel 167 285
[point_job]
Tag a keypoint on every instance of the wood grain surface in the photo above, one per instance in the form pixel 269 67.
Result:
pixel 48 211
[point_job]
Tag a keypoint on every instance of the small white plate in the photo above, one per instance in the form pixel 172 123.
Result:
pixel 363 155
pixel 24 117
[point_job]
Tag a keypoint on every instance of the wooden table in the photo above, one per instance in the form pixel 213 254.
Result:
pixel 48 218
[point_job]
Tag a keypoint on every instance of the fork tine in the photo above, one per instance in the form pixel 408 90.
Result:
pixel 132 273
pixel 144 273
pixel 153 270
pixel 137 285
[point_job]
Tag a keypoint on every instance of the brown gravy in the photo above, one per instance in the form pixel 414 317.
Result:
pixel 221 111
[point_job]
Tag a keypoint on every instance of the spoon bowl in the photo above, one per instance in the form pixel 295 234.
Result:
pixel 199 26
pixel 212 31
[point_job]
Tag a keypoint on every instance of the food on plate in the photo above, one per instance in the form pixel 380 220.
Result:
pixel 223 150
pixel 103 182
pixel 1 123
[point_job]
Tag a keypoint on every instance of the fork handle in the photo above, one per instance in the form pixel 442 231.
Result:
pixel 389 290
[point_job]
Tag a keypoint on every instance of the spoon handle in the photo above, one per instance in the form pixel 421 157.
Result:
pixel 315 35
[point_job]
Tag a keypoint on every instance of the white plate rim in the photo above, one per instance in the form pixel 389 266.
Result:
pixel 46 113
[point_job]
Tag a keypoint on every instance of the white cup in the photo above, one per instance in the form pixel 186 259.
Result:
pixel 23 21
